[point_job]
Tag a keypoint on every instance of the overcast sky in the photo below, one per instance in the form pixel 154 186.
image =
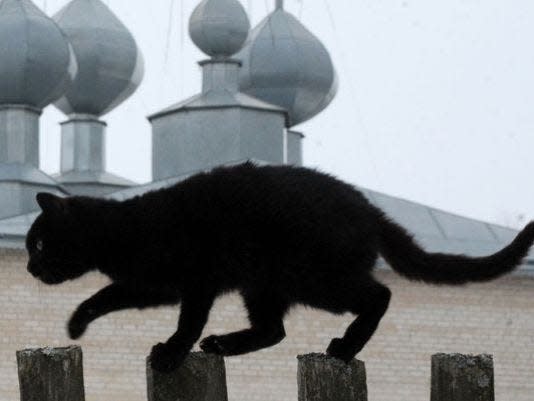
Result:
pixel 436 99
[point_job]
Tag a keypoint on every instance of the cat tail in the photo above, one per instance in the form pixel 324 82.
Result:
pixel 407 258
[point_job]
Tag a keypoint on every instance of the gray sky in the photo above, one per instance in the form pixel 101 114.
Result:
pixel 436 100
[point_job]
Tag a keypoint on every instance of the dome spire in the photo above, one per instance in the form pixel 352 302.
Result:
pixel 37 67
pixel 287 65
pixel 33 47
pixel 110 64
pixel 220 124
pixel 110 70
pixel 219 27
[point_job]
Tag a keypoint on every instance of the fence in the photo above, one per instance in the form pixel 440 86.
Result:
pixel 56 374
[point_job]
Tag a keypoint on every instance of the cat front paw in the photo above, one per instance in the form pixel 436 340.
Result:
pixel 165 358
pixel 339 349
pixel 212 345
pixel 76 327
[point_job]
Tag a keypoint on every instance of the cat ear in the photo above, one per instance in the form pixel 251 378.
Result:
pixel 51 203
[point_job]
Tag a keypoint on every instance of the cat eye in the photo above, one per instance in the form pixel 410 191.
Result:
pixel 39 245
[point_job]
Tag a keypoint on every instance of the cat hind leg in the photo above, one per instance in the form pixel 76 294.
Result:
pixel 267 329
pixel 370 304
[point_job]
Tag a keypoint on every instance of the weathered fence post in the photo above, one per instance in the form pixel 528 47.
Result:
pixel 321 378
pixel 51 374
pixel 457 377
pixel 202 377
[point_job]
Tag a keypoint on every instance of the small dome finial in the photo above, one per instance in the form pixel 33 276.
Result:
pixel 279 4
pixel 219 27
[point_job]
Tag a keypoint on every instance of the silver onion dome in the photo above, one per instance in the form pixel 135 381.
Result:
pixel 219 27
pixel 37 63
pixel 286 65
pixel 110 65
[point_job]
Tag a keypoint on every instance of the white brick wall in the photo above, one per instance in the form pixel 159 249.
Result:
pixel 495 318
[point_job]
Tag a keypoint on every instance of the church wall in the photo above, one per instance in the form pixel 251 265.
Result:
pixel 494 318
pixel 192 140
pixel 261 135
pixel 195 140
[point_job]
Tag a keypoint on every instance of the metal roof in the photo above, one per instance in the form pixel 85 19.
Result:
pixel 440 231
pixel 17 226
pixel 286 65
pixel 32 48
pixel 25 173
pixel 219 27
pixel 110 65
pixel 218 98
pixel 93 177
pixel 436 230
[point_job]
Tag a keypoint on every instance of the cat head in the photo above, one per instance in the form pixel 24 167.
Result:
pixel 55 242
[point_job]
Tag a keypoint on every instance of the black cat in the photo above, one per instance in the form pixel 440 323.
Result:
pixel 279 235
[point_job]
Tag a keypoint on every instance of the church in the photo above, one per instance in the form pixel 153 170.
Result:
pixel 258 84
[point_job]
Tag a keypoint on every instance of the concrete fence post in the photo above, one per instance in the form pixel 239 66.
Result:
pixel 51 374
pixel 457 377
pixel 202 377
pixel 321 378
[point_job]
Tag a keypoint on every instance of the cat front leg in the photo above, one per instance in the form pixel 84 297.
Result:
pixel 113 298
pixel 78 324
pixel 195 308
